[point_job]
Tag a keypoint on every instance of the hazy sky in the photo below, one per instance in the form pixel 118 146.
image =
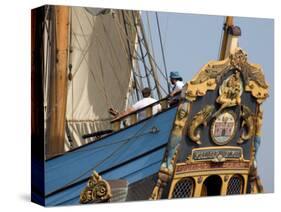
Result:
pixel 190 41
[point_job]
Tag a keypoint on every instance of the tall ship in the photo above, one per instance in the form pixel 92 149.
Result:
pixel 88 65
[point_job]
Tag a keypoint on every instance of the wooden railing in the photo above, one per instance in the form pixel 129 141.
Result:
pixel 132 118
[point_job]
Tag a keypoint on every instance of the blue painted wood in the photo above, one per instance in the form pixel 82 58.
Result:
pixel 133 172
pixel 126 154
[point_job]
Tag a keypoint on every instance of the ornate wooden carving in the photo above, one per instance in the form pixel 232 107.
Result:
pixel 248 124
pixel 200 118
pixel 208 77
pixel 97 190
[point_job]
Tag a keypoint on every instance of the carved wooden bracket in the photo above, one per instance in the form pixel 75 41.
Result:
pixel 97 190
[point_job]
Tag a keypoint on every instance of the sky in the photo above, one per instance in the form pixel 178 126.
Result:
pixel 190 41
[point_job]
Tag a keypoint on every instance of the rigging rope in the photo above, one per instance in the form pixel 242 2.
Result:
pixel 162 50
pixel 149 33
pixel 151 56
pixel 128 44
pixel 75 180
pixel 142 53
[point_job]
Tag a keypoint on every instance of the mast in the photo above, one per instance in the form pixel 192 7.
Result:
pixel 230 38
pixel 228 23
pixel 58 85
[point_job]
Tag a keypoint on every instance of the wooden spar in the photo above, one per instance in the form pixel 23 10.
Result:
pixel 228 23
pixel 58 85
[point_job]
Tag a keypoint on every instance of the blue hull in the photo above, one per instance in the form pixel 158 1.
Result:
pixel 131 154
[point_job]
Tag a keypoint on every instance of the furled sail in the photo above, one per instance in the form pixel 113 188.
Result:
pixel 102 45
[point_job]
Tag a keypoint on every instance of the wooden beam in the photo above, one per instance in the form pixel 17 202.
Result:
pixel 227 24
pixel 58 85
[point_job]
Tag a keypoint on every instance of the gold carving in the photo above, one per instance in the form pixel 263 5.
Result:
pixel 182 113
pixel 259 121
pixel 257 91
pixel 255 181
pixel 253 75
pixel 167 166
pixel 239 59
pixel 230 92
pixel 199 179
pixel 226 178
pixel 199 119
pixel 206 79
pixel 97 190
pixel 163 177
pixel 248 123
pixel 208 76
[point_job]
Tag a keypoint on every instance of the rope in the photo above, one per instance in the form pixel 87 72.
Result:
pixel 128 44
pixel 149 33
pixel 149 54
pixel 141 50
pixel 104 160
pixel 128 54
pixel 162 50
pixel 166 30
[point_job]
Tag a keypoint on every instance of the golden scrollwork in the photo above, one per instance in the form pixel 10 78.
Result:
pixel 259 119
pixel 248 124
pixel 257 91
pixel 253 75
pixel 208 76
pixel 230 92
pixel 167 167
pixel 97 190
pixel 199 119
pixel 206 79
pixel 239 59
pixel 164 176
pixel 181 117
pixel 255 181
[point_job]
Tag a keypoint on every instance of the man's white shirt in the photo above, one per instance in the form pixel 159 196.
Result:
pixel 178 86
pixel 143 103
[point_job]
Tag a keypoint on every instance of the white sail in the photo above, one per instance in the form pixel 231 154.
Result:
pixel 100 70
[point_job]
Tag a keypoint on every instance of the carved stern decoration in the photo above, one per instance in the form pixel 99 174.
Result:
pixel 97 190
pixel 217 143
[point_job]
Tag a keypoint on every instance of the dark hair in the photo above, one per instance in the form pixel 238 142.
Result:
pixel 146 92
pixel 177 79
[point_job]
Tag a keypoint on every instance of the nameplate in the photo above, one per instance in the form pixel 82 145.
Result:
pixel 217 154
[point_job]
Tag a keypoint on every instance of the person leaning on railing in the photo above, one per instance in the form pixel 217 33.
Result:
pixel 177 82
pixel 147 100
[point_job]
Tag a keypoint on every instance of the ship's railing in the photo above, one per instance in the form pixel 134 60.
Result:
pixel 132 117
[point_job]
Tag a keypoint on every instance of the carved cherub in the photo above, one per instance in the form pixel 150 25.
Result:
pixel 230 92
